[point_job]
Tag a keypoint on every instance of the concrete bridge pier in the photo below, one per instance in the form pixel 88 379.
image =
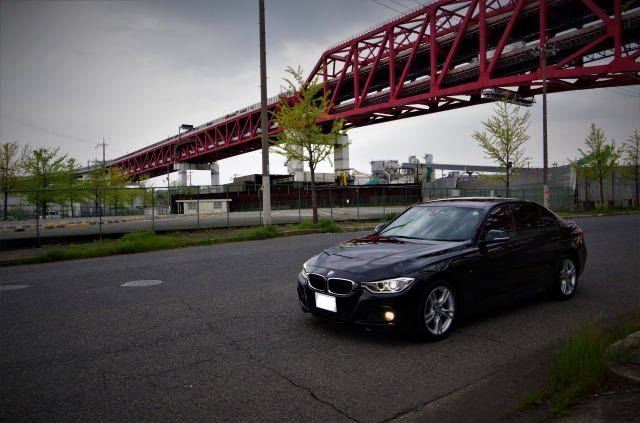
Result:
pixel 215 173
pixel 296 168
pixel 340 162
pixel 341 157
pixel 182 169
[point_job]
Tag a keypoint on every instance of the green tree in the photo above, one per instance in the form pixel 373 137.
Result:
pixel 303 137
pixel 95 185
pixel 117 181
pixel 11 170
pixel 504 140
pixel 599 159
pixel 148 195
pixel 72 185
pixel 131 195
pixel 45 171
pixel 632 162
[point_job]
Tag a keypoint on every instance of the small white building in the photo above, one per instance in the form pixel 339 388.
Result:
pixel 203 206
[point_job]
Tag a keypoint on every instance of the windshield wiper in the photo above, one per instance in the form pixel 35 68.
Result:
pixel 397 226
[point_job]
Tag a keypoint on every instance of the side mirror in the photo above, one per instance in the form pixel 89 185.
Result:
pixel 495 235
pixel 379 227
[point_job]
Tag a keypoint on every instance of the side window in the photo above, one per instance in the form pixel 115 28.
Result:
pixel 548 220
pixel 501 219
pixel 533 219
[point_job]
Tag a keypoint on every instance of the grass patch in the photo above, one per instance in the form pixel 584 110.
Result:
pixel 135 242
pixel 261 232
pixel 579 367
pixel 323 225
pixel 600 209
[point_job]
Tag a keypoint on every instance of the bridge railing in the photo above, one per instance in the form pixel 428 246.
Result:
pixel 381 24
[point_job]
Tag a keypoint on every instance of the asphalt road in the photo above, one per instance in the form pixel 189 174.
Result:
pixel 222 337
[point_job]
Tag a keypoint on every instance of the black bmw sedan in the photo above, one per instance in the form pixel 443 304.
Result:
pixel 442 258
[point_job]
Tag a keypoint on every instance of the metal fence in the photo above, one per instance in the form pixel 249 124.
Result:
pixel 156 202
pixel 136 201
pixel 94 213
pixel 567 190
pixel 560 199
pixel 47 216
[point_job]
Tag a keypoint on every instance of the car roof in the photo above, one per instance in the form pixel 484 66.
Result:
pixel 475 202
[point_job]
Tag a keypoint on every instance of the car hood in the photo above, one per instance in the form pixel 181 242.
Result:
pixel 382 256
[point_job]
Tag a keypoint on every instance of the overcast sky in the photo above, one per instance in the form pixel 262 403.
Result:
pixel 73 73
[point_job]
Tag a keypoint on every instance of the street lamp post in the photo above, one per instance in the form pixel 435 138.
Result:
pixel 543 51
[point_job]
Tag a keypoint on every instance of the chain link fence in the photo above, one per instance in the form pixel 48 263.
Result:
pixel 91 212
pixel 149 203
pixel 80 203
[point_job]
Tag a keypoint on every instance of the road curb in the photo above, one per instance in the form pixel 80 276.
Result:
pixel 629 367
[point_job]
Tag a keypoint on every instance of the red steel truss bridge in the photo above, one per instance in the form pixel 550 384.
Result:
pixel 441 56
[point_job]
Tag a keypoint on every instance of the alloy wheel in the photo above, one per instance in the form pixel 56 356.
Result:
pixel 568 277
pixel 439 310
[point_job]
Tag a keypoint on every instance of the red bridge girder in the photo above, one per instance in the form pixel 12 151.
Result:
pixel 446 55
pixel 234 134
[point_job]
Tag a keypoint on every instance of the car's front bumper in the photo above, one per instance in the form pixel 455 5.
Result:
pixel 361 307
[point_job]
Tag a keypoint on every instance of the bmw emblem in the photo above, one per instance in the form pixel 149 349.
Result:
pixel 331 273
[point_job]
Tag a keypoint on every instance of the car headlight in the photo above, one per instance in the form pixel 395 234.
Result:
pixel 387 286
pixel 304 272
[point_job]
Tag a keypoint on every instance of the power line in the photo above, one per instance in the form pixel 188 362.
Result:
pixel 623 91
pixel 400 4
pixel 384 5
pixel 43 128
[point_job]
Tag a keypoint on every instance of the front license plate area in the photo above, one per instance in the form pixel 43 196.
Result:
pixel 326 302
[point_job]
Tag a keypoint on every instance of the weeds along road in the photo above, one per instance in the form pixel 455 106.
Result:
pixel 216 334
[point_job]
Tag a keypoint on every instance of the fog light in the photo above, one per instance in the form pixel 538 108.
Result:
pixel 389 316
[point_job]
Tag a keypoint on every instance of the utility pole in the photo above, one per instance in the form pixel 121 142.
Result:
pixel 100 205
pixel 103 152
pixel 543 51
pixel 104 168
pixel 264 124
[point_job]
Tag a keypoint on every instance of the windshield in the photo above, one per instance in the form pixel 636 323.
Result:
pixel 434 223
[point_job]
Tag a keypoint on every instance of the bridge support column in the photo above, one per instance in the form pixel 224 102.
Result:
pixel 183 168
pixel 296 168
pixel 182 174
pixel 341 157
pixel 215 173
pixel 340 162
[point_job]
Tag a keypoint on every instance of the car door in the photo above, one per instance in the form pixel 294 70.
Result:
pixel 493 274
pixel 539 233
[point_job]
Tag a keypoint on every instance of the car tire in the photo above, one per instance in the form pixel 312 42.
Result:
pixel 436 311
pixel 566 283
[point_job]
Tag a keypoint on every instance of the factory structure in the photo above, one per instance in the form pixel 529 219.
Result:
pixel 413 171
